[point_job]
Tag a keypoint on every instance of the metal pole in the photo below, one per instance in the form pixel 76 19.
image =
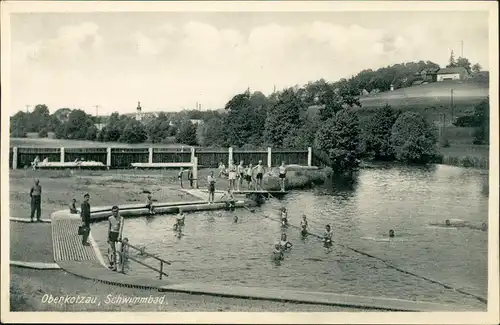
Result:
pixel 452 108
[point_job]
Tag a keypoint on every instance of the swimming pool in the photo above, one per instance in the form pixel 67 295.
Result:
pixel 214 249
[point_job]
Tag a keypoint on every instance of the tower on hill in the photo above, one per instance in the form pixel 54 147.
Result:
pixel 138 115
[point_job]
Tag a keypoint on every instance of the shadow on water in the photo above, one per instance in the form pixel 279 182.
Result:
pixel 342 186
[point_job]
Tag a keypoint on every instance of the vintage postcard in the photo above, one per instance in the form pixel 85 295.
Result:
pixel 250 162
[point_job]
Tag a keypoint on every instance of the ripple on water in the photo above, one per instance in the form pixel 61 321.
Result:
pixel 216 250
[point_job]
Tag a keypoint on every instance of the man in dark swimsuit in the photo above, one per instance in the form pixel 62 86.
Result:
pixel 85 215
pixel 36 201
pixel 260 175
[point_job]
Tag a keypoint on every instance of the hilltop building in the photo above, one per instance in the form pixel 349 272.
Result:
pixel 457 73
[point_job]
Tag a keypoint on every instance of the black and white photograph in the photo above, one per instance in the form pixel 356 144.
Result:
pixel 308 162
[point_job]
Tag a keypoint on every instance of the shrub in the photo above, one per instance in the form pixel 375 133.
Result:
pixel 43 133
pixel 412 139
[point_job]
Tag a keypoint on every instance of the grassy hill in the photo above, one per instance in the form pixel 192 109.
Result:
pixel 431 100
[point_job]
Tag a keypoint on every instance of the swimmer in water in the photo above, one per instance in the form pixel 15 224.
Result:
pixel 327 237
pixel 235 219
pixel 457 223
pixel 284 243
pixel 284 217
pixel 277 253
pixel 391 233
pixel 179 223
pixel 303 226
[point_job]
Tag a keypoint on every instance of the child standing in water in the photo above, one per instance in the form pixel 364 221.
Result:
pixel 327 237
pixel 284 217
pixel 303 226
pixel 284 243
pixel 277 253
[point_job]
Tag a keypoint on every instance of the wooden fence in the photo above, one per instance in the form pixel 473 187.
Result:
pixel 122 157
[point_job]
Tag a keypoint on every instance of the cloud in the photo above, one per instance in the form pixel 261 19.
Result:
pixel 175 65
pixel 70 43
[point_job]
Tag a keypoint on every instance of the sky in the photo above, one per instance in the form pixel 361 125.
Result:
pixel 172 60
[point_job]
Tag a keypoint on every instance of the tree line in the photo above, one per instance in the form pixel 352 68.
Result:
pixel 321 114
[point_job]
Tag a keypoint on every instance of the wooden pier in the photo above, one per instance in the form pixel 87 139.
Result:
pixel 250 193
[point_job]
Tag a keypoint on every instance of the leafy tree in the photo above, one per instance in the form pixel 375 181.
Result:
pixel 477 67
pixel 452 63
pixel 482 118
pixel 412 139
pixel 213 132
pixel 76 127
pixel 465 63
pixel 39 118
pixel 19 124
pixel 283 118
pixel 91 134
pixel 244 124
pixel 339 137
pixel 112 131
pixel 335 97
pixel 158 128
pixel 187 133
pixel 378 133
pixel 134 132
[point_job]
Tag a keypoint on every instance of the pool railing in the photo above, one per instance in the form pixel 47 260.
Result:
pixel 124 256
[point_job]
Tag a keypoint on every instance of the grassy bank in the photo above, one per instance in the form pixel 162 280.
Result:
pixel 464 155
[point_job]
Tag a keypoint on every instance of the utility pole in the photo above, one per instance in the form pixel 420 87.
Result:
pixel 451 104
pixel 97 113
pixel 27 109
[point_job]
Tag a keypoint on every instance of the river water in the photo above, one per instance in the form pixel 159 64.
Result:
pixel 215 249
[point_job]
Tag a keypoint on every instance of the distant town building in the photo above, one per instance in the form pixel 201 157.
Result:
pixel 196 122
pixel 138 115
pixel 458 73
pixel 100 126
pixel 392 87
pixel 427 75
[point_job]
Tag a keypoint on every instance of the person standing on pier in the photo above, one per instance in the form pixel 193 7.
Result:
pixel 232 177
pixel 36 201
pixel 115 232
pixel 85 215
pixel 260 174
pixel 282 176
pixel 240 174
pixel 249 175
pixel 211 187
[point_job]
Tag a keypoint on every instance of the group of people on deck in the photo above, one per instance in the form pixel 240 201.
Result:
pixel 253 175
